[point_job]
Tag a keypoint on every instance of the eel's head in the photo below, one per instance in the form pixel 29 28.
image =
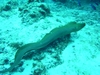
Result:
pixel 78 26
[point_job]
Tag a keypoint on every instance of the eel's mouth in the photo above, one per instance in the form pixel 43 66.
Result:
pixel 79 26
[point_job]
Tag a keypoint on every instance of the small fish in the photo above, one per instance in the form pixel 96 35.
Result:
pixel 96 4
pixel 79 2
pixel 93 7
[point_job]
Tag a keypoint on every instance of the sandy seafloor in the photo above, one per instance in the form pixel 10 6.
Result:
pixel 80 57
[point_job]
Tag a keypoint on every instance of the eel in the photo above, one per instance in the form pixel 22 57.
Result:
pixel 46 40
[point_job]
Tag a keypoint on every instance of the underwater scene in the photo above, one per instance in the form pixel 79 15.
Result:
pixel 49 37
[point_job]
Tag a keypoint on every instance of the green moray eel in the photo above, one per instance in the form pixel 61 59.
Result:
pixel 47 39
